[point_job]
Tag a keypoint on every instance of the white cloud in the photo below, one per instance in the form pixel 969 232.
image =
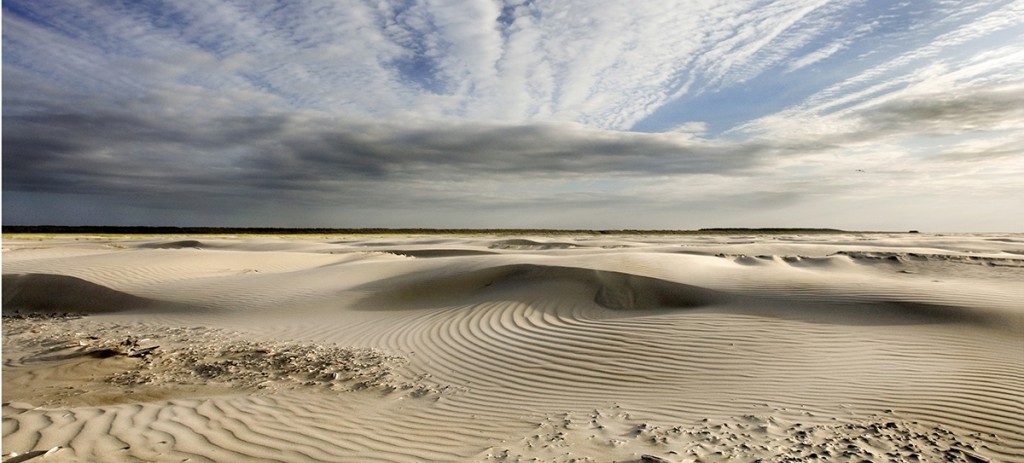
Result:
pixel 818 55
pixel 692 128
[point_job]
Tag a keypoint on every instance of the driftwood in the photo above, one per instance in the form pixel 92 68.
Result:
pixel 130 347
pixel 30 455
pixel 142 352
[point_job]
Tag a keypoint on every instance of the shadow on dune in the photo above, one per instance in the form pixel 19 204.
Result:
pixel 428 253
pixel 612 290
pixel 183 244
pixel 874 313
pixel 530 245
pixel 40 292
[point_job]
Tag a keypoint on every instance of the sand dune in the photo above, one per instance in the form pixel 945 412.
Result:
pixel 702 348
pixel 612 290
pixel 40 292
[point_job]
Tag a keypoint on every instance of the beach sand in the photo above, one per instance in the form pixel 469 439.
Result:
pixel 816 347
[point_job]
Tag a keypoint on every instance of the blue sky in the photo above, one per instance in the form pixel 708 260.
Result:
pixel 847 114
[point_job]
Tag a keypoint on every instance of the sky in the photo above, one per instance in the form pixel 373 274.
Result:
pixel 861 115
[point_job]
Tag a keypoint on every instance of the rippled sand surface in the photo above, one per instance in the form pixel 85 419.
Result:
pixel 838 347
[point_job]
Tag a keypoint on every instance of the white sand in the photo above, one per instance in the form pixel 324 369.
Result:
pixel 697 348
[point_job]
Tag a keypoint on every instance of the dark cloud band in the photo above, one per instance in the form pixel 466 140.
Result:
pixel 109 152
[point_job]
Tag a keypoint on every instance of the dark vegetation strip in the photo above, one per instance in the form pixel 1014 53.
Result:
pixel 137 230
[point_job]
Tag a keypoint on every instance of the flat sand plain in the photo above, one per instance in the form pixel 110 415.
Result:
pixel 831 347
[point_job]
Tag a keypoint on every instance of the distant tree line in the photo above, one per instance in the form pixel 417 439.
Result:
pixel 159 230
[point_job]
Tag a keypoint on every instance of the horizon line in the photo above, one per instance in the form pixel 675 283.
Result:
pixel 201 230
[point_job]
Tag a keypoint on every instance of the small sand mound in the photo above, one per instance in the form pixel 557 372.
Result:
pixel 35 292
pixel 624 291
